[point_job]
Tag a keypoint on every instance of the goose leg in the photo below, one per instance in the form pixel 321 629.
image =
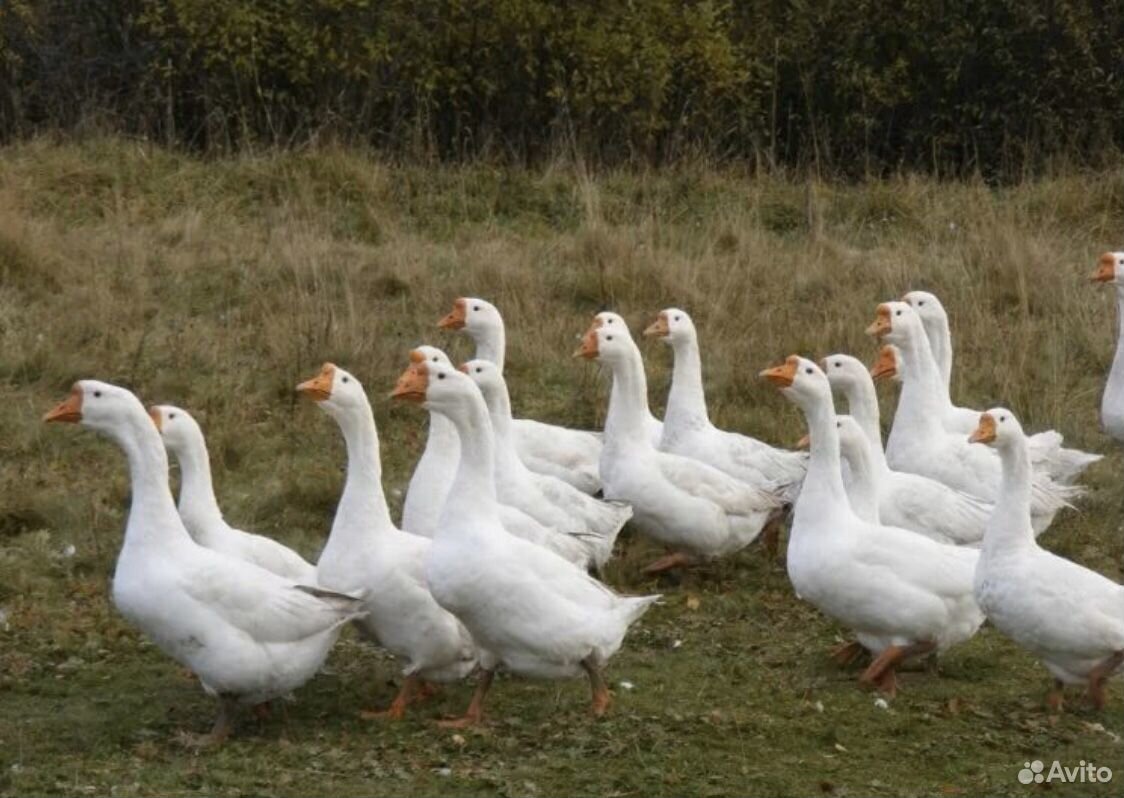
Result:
pixel 1100 675
pixel 771 536
pixel 220 731
pixel 876 674
pixel 602 698
pixel 846 653
pixel 397 708
pixel 426 690
pixel 668 562
pixel 475 712
pixel 1055 699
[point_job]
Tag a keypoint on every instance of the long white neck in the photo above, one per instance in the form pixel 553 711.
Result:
pixel 152 513
pixel 491 344
pixel 1009 526
pixel 198 506
pixel 823 484
pixel 920 407
pixel 474 487
pixel 686 402
pixel 940 340
pixel 1118 358
pixel 862 404
pixel 862 490
pixel 625 424
pixel 362 508
pixel 508 464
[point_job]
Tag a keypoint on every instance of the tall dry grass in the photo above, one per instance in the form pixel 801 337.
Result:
pixel 218 285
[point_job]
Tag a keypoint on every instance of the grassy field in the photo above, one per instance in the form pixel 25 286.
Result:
pixel 218 285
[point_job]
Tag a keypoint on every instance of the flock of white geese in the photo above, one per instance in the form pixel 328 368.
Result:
pixel 910 546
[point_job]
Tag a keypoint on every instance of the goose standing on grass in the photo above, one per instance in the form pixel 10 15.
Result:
pixel 1068 616
pixel 687 429
pixel 528 609
pixel 903 594
pixel 367 553
pixel 200 511
pixel 250 635
pixel 910 501
pixel 692 507
pixel 429 484
pixel 920 444
pixel 1110 269
pixel 554 503
pixel 568 454
pixel 1046 451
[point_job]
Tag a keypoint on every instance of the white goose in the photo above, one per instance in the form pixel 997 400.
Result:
pixel 366 553
pixel 688 505
pixel 903 594
pixel 858 476
pixel 429 484
pixel 1068 616
pixel 688 431
pixel 1110 269
pixel 920 444
pixel 555 504
pixel 911 501
pixel 248 634
pixel 200 511
pixel 1046 451
pixel 528 609
pixel 568 454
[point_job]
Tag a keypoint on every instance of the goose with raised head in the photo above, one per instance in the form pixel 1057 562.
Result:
pixel 555 504
pixel 568 454
pixel 918 441
pixel 199 509
pixel 247 633
pixel 1070 617
pixel 911 501
pixel 688 431
pixel 1110 269
pixel 691 507
pixel 528 609
pixel 1046 451
pixel 366 553
pixel 903 594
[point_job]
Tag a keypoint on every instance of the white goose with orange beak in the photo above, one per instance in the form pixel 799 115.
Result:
pixel 1046 451
pixel 918 441
pixel 1068 616
pixel 199 509
pixel 1110 269
pixel 366 553
pixel 691 507
pixel 248 634
pixel 567 454
pixel 688 431
pixel 529 610
pixel 902 594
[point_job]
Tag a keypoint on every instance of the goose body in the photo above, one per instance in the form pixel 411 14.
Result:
pixel 567 454
pixel 688 505
pixel 366 553
pixel 1110 269
pixel 1046 450
pixel 528 609
pixel 247 633
pixel 688 431
pixel 1068 616
pixel 902 593
pixel 199 509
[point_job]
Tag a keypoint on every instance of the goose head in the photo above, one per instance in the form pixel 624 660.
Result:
pixel 998 428
pixel 672 326
pixel 927 306
pixel 181 432
pixel 801 381
pixel 1110 268
pixel 335 391
pixel 430 353
pixel 101 406
pixel 607 340
pixel 844 372
pixel 852 441
pixel 434 386
pixel 885 366
pixel 896 323
pixel 486 375
pixel 474 316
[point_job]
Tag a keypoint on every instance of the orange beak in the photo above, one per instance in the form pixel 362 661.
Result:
pixel 68 411
pixel 804 442
pixel 417 356
pixel 659 326
pixel 319 388
pixel 1106 269
pixel 783 376
pixel 588 349
pixel 412 385
pixel 455 319
pixel 985 431
pixel 881 324
pixel 886 366
pixel 157 419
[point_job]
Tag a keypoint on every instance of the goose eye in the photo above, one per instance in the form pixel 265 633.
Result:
pixel 1002 419
pixel 441 375
pixel 476 307
pixel 808 370
pixel 898 313
pixel 921 303
pixel 677 318
pixel 171 415
pixel 97 394
pixel 345 379
pixel 479 369
pixel 435 358
pixel 838 365
pixel 608 338
pixel 610 321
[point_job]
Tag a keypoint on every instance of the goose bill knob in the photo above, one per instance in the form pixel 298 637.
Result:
pixel 157 419
pixel 455 319
pixel 985 432
pixel 588 349
pixel 659 326
pixel 881 324
pixel 784 375
pixel 412 385
pixel 1106 269
pixel 886 366
pixel 68 411
pixel 319 388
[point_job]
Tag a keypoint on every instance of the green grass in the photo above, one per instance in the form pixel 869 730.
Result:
pixel 218 285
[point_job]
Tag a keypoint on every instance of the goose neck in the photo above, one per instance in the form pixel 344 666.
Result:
pixel 823 483
pixel 474 485
pixel 920 406
pixel 152 512
pixel 198 506
pixel 862 404
pixel 628 402
pixel 1009 527
pixel 362 508
pixel 686 402
pixel 499 414
pixel 491 345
